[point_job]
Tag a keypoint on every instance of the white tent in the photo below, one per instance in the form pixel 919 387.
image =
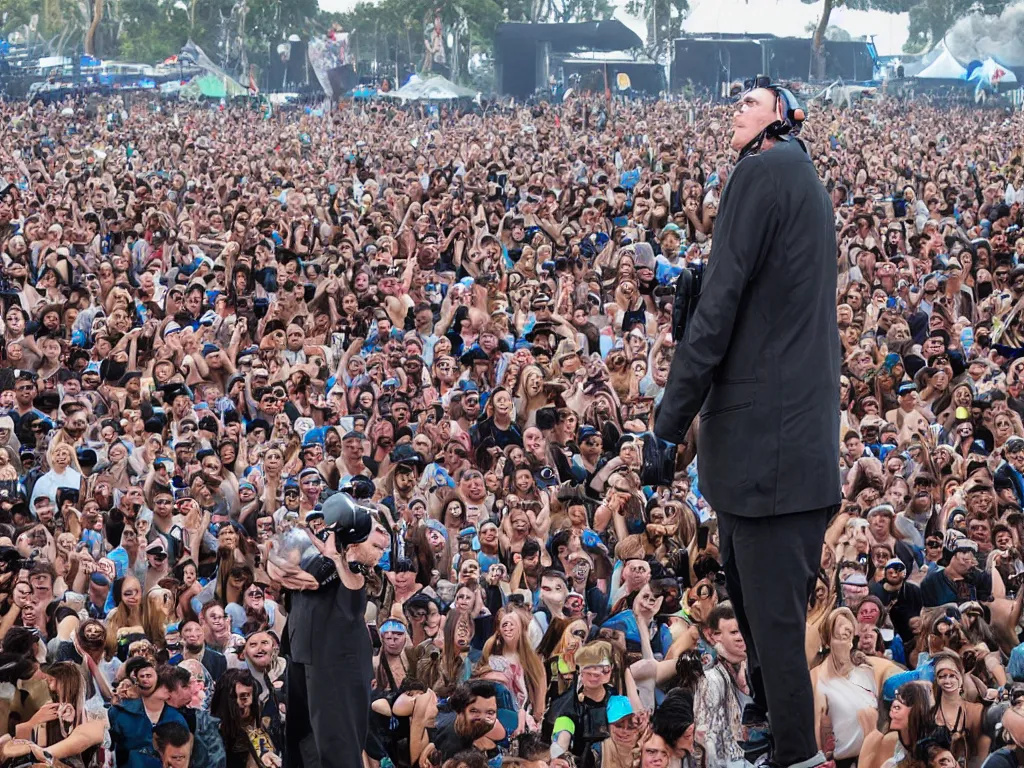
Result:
pixel 432 89
pixel 994 73
pixel 944 67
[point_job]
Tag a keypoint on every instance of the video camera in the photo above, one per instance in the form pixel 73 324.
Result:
pixel 688 287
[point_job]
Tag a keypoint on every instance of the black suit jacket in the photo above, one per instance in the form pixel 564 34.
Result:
pixel 215 662
pixel 326 628
pixel 761 356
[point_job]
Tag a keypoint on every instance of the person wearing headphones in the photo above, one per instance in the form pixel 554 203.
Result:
pixel 759 359
pixel 326 640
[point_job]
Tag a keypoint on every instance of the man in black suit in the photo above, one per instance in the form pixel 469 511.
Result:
pixel 327 641
pixel 760 362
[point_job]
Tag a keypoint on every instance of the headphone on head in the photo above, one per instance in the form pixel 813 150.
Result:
pixel 790 115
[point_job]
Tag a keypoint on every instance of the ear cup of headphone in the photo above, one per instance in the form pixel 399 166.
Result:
pixel 792 113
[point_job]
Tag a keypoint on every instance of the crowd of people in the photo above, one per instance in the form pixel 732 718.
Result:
pixel 214 319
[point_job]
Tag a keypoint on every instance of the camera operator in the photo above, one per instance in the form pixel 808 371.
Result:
pixel 330 684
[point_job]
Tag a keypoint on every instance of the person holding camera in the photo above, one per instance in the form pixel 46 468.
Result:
pixel 329 685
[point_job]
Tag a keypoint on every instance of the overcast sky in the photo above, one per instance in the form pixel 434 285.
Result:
pixel 778 17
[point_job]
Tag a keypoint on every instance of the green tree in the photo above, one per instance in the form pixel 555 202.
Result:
pixel 663 18
pixel 566 11
pixel 151 30
pixel 929 21
pixel 271 21
pixel 822 27
pixel 393 30
pixel 17 13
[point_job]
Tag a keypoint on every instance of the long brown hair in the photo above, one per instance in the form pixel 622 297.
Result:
pixel 442 669
pixel 532 665
pixel 122 617
pixel 826 630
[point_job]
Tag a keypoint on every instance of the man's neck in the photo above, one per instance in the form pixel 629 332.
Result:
pixel 198 655
pixel 152 705
pixel 731 659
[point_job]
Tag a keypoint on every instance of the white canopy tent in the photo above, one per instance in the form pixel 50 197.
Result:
pixel 944 67
pixel 435 88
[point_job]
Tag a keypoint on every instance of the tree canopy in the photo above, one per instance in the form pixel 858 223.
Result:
pixel 929 19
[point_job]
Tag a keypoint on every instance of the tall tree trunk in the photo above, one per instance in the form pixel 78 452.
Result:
pixel 90 36
pixel 818 43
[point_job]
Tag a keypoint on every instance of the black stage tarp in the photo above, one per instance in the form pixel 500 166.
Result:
pixel 521 50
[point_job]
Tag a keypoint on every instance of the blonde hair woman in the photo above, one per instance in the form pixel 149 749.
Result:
pixel 130 616
pixel 64 473
pixel 530 396
pixel 508 651
pixel 954 716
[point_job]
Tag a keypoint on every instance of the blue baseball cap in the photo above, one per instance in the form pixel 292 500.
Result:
pixel 618 708
pixel 393 625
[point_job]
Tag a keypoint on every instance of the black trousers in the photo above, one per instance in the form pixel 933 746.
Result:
pixel 301 744
pixel 328 716
pixel 770 566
